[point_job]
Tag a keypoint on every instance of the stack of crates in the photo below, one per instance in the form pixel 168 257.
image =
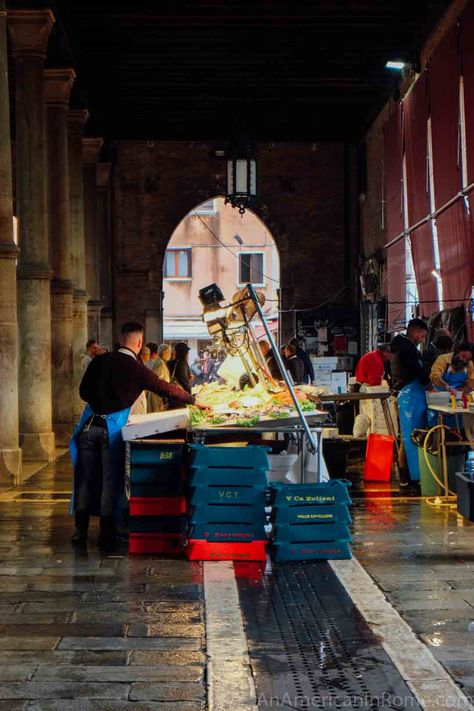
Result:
pixel 157 502
pixel 310 521
pixel 227 503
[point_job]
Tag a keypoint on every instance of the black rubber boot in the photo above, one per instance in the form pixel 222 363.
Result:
pixel 108 534
pixel 82 526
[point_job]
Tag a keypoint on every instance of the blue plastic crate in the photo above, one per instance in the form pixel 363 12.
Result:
pixel 148 474
pixel 311 532
pixel 171 487
pixel 158 455
pixel 205 476
pixel 211 513
pixel 228 495
pixel 227 532
pixel 327 550
pixel 311 514
pixel 248 457
pixel 330 492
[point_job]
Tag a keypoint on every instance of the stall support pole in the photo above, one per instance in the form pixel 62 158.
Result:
pixel 444 461
pixel 311 441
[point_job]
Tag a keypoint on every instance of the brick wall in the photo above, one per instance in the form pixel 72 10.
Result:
pixel 301 199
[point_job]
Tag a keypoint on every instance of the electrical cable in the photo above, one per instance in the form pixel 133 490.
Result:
pixel 257 271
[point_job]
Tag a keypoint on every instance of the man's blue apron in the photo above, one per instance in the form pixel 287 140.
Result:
pixel 456 381
pixel 413 414
pixel 115 421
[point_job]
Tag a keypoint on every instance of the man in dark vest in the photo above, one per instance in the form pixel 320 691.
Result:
pixel 110 386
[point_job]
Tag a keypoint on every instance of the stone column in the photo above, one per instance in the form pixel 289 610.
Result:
pixel 29 33
pixel 76 120
pixel 10 453
pixel 91 148
pixel 58 84
pixel 105 248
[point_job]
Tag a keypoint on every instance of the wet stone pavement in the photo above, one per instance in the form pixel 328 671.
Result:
pixel 87 631
pixel 422 558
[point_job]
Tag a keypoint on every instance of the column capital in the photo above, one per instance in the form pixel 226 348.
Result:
pixel 91 148
pixel 9 250
pixel 57 86
pixel 29 32
pixel 76 120
pixel 34 271
pixel 103 175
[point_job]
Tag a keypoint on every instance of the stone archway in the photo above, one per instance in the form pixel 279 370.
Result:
pixel 213 243
pixel 301 200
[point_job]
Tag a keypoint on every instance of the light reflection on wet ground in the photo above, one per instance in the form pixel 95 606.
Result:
pixel 102 632
pixel 422 557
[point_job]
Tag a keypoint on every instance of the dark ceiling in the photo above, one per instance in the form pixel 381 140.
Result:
pixel 276 69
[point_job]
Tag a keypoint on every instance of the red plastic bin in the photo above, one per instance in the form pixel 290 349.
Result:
pixel 203 550
pixel 157 506
pixel 378 457
pixel 161 543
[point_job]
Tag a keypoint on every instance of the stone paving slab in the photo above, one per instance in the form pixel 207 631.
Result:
pixel 27 643
pixel 95 705
pixel 129 643
pixel 156 673
pixel 16 672
pixel 143 691
pixel 165 629
pixel 63 630
pixel 179 657
pixel 63 690
pixel 58 657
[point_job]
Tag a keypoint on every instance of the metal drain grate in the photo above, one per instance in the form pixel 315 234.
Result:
pixel 311 649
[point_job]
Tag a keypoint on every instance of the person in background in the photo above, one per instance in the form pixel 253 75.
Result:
pixel 371 367
pixel 373 371
pixel 269 356
pixel 441 344
pixel 294 364
pixel 92 349
pixel 144 355
pixel 308 375
pixel 454 372
pixel 196 370
pixel 139 407
pixel 157 403
pixel 110 386
pixel 208 367
pixel 153 354
pixel 410 380
pixel 181 373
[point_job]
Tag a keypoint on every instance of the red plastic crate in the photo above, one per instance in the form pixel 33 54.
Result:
pixel 203 550
pixel 162 543
pixel 157 506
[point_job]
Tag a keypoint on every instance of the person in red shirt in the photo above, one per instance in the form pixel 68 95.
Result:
pixel 370 369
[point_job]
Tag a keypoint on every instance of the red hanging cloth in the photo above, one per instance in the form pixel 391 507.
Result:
pixel 443 76
pixel 454 225
pixel 467 68
pixel 415 114
pixel 393 196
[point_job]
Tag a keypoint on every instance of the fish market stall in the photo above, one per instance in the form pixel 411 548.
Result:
pixel 176 473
